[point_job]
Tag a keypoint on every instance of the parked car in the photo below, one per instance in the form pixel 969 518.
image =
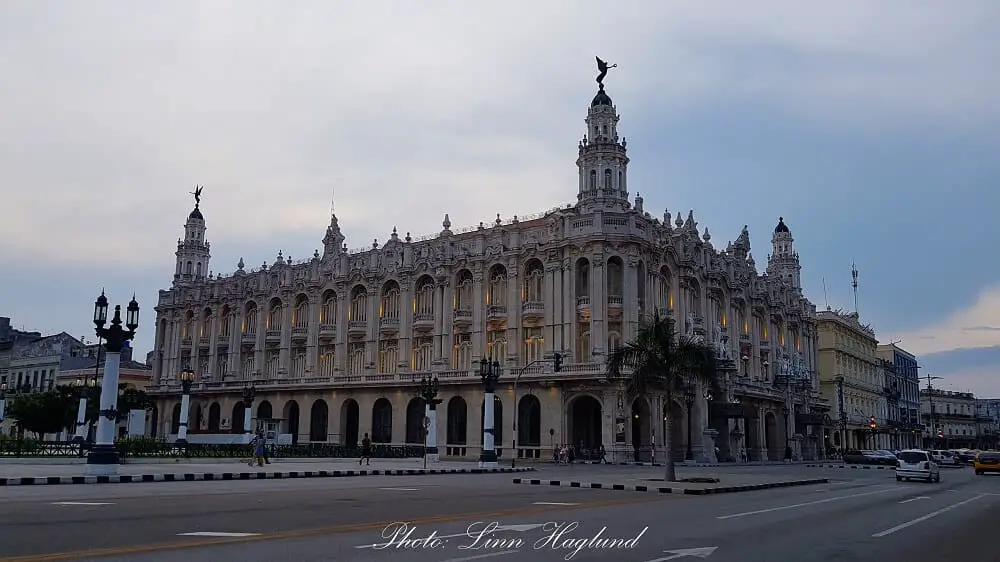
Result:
pixel 887 458
pixel 914 464
pixel 986 462
pixel 859 457
pixel 968 456
pixel 945 458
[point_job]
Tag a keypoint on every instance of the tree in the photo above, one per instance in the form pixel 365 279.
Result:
pixel 660 360
pixel 44 412
pixel 128 399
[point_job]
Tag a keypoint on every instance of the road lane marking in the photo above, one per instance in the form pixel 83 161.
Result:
pixel 915 499
pixel 481 556
pixel 82 503
pixel 702 553
pixel 314 532
pixel 554 503
pixel 817 502
pixel 401 489
pixel 217 534
pixel 930 515
pixel 518 528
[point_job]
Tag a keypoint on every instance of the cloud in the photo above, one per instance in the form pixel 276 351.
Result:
pixel 967 328
pixel 438 107
pixel 974 370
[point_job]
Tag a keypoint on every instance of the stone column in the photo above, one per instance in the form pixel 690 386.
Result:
pixel 284 352
pixel 374 321
pixel 478 316
pixel 430 410
pixel 213 350
pixel 551 297
pixel 312 338
pixel 630 301
pixel 446 314
pixel 566 324
pixel 341 359
pixel 235 342
pixel 598 308
pixel 513 315
pixel 709 437
pixel 405 342
pixel 258 353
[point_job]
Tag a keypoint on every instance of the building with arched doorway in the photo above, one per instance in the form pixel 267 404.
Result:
pixel 336 344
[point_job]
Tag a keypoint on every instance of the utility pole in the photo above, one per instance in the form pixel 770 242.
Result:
pixel 930 399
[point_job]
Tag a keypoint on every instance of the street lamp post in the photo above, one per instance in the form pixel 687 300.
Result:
pixel 689 400
pixel 788 447
pixel 873 426
pixel 187 378
pixel 248 395
pixel 490 373
pixel 83 388
pixel 3 399
pixel 103 458
pixel 429 392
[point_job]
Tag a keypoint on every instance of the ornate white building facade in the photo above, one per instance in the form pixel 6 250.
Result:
pixel 337 344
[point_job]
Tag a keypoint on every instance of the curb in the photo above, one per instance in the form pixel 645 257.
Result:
pixel 206 476
pixel 854 466
pixel 661 490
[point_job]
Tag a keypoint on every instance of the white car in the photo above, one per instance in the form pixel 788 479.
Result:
pixel 917 464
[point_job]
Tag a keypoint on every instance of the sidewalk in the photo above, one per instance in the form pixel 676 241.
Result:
pixel 44 473
pixel 693 482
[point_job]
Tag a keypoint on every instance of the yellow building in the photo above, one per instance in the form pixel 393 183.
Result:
pixel 852 380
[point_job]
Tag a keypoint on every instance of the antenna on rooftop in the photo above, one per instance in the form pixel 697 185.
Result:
pixel 854 284
pixel 826 299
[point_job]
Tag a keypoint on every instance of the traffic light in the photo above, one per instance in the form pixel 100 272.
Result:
pixel 556 362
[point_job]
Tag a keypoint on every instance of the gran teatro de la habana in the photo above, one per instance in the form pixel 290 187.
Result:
pixel 336 345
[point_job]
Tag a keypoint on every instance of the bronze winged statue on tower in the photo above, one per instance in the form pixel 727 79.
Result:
pixel 197 194
pixel 602 69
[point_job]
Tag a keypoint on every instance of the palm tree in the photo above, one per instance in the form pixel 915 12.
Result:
pixel 658 360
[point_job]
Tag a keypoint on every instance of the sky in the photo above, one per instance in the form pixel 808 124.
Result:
pixel 871 126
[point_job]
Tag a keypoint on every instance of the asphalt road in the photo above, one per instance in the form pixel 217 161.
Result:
pixel 859 516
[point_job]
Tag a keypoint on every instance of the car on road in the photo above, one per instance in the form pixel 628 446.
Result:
pixel 915 464
pixel 869 457
pixel 986 462
pixel 967 456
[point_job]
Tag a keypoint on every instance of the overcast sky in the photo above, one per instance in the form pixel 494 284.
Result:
pixel 871 126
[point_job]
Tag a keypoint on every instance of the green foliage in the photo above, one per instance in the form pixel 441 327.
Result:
pixel 44 412
pixel 660 360
pixel 128 399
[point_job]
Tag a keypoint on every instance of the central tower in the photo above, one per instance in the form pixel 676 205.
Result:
pixel 602 160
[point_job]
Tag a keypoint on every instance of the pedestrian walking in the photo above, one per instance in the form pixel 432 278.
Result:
pixel 366 451
pixel 258 451
pixel 604 455
pixel 263 439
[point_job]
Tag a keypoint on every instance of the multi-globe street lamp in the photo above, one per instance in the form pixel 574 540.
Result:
pixel 187 379
pixel 84 388
pixel 489 371
pixel 428 393
pixel 103 457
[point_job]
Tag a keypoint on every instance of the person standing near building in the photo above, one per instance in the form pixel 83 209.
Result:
pixel 366 451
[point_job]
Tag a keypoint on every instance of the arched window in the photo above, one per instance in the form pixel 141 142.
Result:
pixel 607 178
pixel 621 181
pixel 388 356
pixel 497 295
pixel 328 313
pixel 593 180
pixel 197 269
pixel 496 345
pixel 188 268
pixel 301 319
pixel 359 305
pixel 463 294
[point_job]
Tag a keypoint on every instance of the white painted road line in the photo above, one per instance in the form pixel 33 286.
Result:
pixel 82 503
pixel 915 499
pixel 817 502
pixel 481 556
pixel 401 489
pixel 215 534
pixel 554 503
pixel 930 515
